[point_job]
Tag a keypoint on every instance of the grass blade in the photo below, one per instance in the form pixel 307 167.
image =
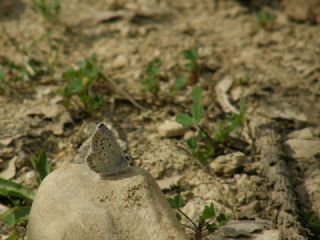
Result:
pixel 11 189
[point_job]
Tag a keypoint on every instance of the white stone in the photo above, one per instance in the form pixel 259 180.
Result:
pixel 74 203
pixel 171 128
pixel 303 148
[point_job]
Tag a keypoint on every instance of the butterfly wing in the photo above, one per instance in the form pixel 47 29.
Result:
pixel 106 156
pixel 93 162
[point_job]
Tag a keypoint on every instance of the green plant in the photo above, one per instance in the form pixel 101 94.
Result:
pixel 192 66
pixel 41 166
pixel 191 55
pixel 151 79
pixel 19 197
pixel 203 145
pixel 13 191
pixel 227 126
pixel 265 19
pixel 312 221
pixel 197 109
pixel 190 73
pixel 179 83
pixel 10 71
pixel 151 75
pixel 15 216
pixel 208 222
pixel 49 9
pixel 201 149
pixel 2 80
pixel 80 83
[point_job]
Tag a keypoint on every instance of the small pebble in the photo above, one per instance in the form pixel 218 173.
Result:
pixel 171 128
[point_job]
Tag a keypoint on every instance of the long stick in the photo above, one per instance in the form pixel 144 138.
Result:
pixel 121 91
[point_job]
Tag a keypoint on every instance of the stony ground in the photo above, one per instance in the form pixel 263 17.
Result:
pixel 271 174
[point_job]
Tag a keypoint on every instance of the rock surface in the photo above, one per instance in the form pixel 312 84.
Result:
pixel 302 148
pixel 171 128
pixel 228 165
pixel 250 229
pixel 75 203
pixel 303 10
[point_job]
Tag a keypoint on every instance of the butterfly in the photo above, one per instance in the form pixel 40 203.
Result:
pixel 105 156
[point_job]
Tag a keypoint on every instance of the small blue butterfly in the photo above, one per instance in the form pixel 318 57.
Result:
pixel 105 155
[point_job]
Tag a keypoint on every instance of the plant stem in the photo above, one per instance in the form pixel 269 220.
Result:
pixel 187 226
pixel 214 142
pixel 204 167
pixel 198 234
pixel 188 218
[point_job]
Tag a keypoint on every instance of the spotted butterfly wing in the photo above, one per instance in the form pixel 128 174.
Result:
pixel 105 156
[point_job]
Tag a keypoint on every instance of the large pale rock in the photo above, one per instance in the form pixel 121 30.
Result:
pixel 74 203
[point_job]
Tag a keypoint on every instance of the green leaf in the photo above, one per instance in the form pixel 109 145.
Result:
pixel 81 79
pixel 221 219
pixel 196 94
pixel 94 102
pixel 185 120
pixel 69 74
pixel 153 68
pixel 13 236
pixel 180 83
pixel 211 227
pixel 265 18
pixel 201 152
pixel 197 105
pixel 221 132
pixel 191 54
pixel 15 215
pixel 202 156
pixel 202 134
pixel 197 111
pixel 2 80
pixel 74 87
pixel 243 110
pixel 151 80
pixel 176 202
pixel 49 10
pixel 192 143
pixel 11 189
pixel 226 127
pixel 85 99
pixel 93 58
pixel 178 216
pixel 41 166
pixel 208 212
pixel 151 84
pixel 1 76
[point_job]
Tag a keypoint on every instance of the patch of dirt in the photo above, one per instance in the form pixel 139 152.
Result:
pixel 277 70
